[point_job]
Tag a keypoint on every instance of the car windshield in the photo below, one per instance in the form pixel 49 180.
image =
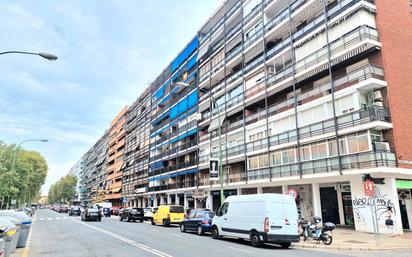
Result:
pixel 177 209
pixel 134 211
pixel 75 208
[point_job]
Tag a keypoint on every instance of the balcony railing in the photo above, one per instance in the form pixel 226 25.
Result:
pixel 252 14
pixel 233 53
pixel 347 41
pixel 233 31
pixel 253 38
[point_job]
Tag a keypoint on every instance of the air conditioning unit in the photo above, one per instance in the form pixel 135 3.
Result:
pixel 382 146
pixel 378 104
pixel 377 96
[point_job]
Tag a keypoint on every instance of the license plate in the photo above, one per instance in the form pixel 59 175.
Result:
pixel 177 219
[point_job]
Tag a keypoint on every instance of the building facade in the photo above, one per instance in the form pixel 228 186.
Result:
pixel 300 97
pixel 115 158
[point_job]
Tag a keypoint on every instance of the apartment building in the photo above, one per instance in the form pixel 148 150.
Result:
pixel 307 97
pixel 92 168
pixel 136 152
pixel 115 158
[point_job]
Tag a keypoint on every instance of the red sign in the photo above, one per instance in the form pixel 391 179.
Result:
pixel 369 188
pixel 292 192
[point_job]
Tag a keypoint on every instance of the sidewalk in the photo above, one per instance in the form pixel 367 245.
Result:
pixel 349 239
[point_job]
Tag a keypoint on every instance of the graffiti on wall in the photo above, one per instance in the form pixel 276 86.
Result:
pixel 362 208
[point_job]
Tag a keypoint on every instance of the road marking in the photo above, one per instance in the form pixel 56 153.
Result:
pixel 27 247
pixel 49 218
pixel 57 218
pixel 240 250
pixel 65 218
pixel 40 219
pixel 126 240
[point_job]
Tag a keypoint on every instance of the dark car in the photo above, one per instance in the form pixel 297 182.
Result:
pixel 131 214
pixel 106 212
pixel 199 220
pixel 74 210
pixel 91 213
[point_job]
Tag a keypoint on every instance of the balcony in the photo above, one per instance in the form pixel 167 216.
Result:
pixel 253 14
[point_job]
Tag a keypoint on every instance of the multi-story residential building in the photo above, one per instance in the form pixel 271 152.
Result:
pixel 173 139
pixel 77 170
pixel 115 158
pixel 135 173
pixel 310 98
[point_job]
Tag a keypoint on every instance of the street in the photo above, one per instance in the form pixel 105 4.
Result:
pixel 59 235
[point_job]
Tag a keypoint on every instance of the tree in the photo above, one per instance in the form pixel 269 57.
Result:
pixel 64 190
pixel 24 181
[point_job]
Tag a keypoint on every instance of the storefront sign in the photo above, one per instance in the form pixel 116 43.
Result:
pixel 369 188
pixel 214 169
pixel 198 194
pixel 292 192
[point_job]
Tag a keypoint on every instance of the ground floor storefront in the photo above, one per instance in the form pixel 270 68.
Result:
pixel 335 197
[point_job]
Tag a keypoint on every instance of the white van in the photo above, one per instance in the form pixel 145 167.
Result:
pixel 262 218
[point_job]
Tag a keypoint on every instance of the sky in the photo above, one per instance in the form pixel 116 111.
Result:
pixel 109 51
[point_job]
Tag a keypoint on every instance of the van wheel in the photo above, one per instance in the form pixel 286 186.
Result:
pixel 285 245
pixel 182 228
pixel 200 231
pixel 165 223
pixel 215 233
pixel 153 222
pixel 255 239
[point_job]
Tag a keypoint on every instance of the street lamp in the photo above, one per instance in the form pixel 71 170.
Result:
pixel 14 158
pixel 48 56
pixel 222 197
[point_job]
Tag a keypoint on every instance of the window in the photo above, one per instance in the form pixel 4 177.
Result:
pixel 333 149
pixel 288 156
pixel 253 163
pixel 318 150
pixel 352 144
pixel 342 146
pixel 305 153
pixel 263 161
pixel 363 142
pixel 276 158
pixel 223 210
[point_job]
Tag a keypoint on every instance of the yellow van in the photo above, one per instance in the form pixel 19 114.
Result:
pixel 168 214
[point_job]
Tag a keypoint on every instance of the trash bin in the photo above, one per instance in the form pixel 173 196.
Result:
pixel 16 233
pixel 24 229
pixel 9 235
pixel 25 223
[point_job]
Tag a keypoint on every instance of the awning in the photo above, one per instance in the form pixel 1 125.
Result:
pixel 117 190
pixel 403 184
pixel 214 124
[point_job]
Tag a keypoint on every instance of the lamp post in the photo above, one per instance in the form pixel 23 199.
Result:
pixel 14 160
pixel 222 197
pixel 48 56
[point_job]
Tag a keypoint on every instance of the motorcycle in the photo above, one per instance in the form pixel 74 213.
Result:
pixel 316 231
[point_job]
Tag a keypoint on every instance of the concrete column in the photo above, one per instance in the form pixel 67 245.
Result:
pixel 260 190
pixel 340 205
pixel 169 199
pixel 317 209
pixel 239 191
pixel 177 199
pixel 185 201
pixel 155 201
pixel 209 201
pixel 285 189
pixel 195 202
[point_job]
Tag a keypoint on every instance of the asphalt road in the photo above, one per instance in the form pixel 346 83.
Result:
pixel 59 235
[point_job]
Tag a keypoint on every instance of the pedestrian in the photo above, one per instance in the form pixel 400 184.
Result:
pixel 389 222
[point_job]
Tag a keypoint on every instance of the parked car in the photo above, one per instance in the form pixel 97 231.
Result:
pixel 74 210
pixel 56 208
pixel 168 214
pixel 262 218
pixel 106 212
pixel 115 210
pixel 64 209
pixel 91 213
pixel 131 214
pixel 199 220
pixel 148 213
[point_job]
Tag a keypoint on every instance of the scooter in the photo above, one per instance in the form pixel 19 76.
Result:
pixel 316 231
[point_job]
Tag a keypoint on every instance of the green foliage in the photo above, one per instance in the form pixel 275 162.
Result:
pixel 63 190
pixel 23 181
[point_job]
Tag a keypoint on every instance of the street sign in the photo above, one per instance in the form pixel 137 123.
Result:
pixel 124 200
pixel 214 169
pixel 369 188
pixel 198 194
pixel 292 192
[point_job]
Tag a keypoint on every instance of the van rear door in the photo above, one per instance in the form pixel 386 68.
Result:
pixel 290 214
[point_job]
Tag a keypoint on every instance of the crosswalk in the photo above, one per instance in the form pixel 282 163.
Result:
pixel 49 219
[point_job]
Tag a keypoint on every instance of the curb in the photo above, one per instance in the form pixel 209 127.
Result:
pixel 366 248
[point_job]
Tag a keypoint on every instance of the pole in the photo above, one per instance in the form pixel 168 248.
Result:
pixel 222 197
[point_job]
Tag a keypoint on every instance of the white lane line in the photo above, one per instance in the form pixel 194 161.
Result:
pixel 41 219
pixel 129 241
pixel 240 250
pixel 57 218
pixel 65 218
pixel 49 218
